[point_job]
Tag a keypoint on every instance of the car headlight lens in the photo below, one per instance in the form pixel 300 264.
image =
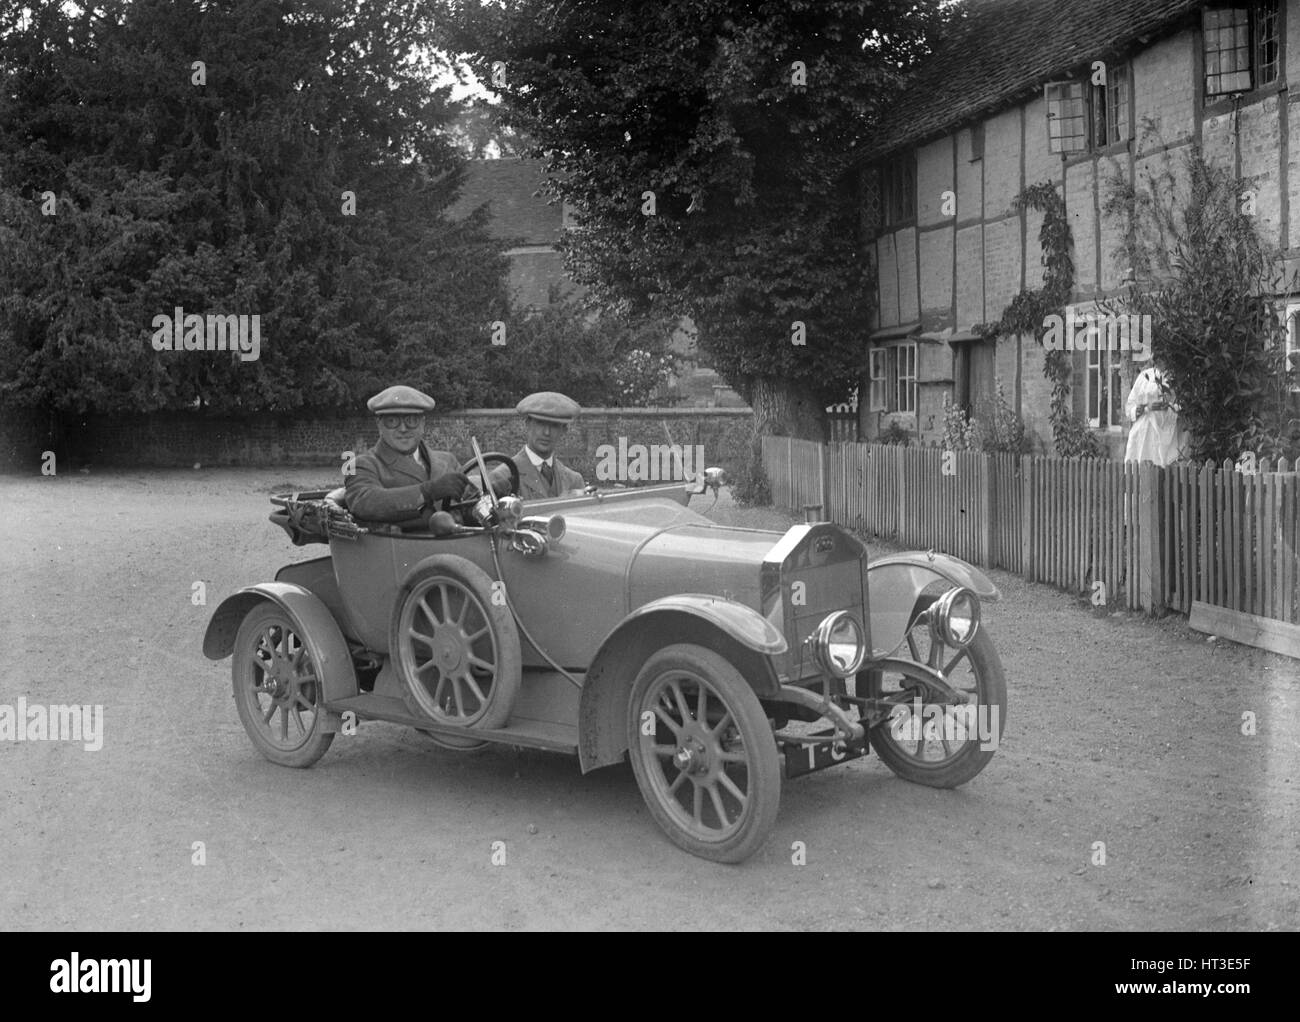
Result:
pixel 838 644
pixel 955 617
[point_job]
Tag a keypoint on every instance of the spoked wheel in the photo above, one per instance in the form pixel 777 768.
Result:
pixel 941 746
pixel 703 753
pixel 277 690
pixel 455 648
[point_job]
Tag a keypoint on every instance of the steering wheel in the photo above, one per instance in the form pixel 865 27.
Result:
pixel 472 465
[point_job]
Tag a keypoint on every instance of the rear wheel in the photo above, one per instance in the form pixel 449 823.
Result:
pixel 703 753
pixel 277 689
pixel 927 742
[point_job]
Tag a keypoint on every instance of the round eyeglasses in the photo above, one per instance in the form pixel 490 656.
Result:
pixel 393 421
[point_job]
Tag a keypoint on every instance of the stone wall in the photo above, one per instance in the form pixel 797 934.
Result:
pixel 186 439
pixel 24 436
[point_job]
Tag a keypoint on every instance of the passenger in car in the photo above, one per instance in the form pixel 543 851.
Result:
pixel 400 478
pixel 542 475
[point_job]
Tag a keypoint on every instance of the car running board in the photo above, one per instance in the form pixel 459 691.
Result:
pixel 535 734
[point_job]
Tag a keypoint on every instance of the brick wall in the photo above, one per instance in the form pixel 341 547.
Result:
pixel 1114 260
pixel 970 276
pixel 180 439
pixel 1001 266
pixel 1035 392
pixel 887 278
pixel 24 436
pixel 1261 141
pixel 1165 88
pixel 936 277
pixel 909 302
pixel 1080 196
pixel 1001 163
pixel 970 179
pixel 933 178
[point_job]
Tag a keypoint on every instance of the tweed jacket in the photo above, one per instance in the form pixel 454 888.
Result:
pixel 386 484
pixel 533 487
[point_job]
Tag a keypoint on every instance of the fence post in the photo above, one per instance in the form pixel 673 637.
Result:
pixel 823 483
pixel 1149 567
pixel 1027 517
pixel 789 467
pixel 900 474
pixel 988 464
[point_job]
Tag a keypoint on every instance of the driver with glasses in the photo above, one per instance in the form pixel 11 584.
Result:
pixel 400 478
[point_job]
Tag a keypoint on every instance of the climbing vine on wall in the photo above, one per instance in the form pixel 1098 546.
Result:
pixel 1028 311
pixel 1206 276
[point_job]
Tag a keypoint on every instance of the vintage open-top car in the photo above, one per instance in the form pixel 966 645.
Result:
pixel 622 623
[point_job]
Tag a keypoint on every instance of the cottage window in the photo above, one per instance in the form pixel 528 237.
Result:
pixel 898 190
pixel 1083 116
pixel 906 399
pixel 1116 123
pixel 1104 388
pixel 1242 47
pixel 1268 46
pixel 1067 117
pixel 1293 342
pixel 893 378
pixel 879 379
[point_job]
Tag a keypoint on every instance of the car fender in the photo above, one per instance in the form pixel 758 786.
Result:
pixel 738 632
pixel 311 618
pixel 897 580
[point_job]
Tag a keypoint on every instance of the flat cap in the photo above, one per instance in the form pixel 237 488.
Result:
pixel 549 406
pixel 400 399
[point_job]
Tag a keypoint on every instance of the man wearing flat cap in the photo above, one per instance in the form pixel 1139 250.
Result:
pixel 541 474
pixel 400 479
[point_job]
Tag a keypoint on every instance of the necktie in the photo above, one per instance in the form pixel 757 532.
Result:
pixel 548 473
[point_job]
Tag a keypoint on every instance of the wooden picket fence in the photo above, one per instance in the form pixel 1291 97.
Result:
pixel 1154 538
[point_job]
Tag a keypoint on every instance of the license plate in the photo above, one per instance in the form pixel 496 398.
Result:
pixel 804 758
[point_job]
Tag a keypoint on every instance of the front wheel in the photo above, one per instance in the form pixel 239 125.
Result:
pixel 703 753
pixel 278 690
pixel 930 743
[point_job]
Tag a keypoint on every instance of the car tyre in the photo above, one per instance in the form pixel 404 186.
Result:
pixel 925 761
pixel 709 769
pixel 454 647
pixel 277 689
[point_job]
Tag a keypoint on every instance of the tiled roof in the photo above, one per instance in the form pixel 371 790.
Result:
pixel 508 185
pixel 1005 49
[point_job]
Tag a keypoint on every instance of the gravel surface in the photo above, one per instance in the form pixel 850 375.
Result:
pixel 1121 731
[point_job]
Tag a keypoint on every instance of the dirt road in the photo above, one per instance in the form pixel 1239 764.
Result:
pixel 1120 731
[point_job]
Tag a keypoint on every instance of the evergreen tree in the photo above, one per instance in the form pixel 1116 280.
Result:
pixel 284 159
